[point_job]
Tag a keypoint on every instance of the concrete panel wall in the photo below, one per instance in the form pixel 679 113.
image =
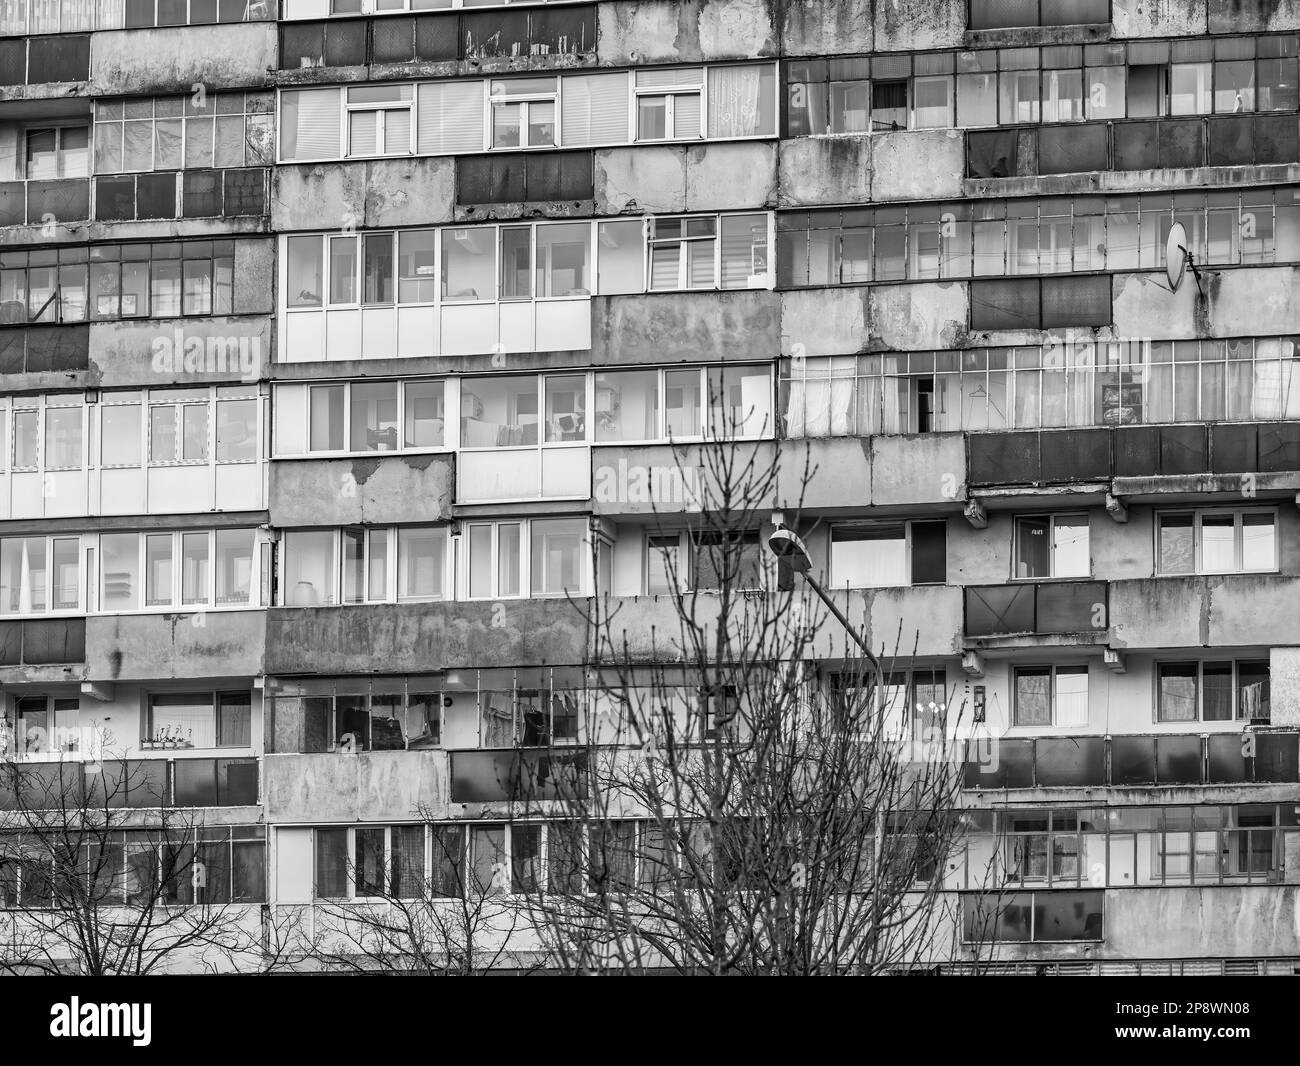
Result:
pixel 685 327
pixel 656 179
pixel 825 170
pixel 902 26
pixel 824 321
pixel 210 644
pixel 382 192
pixel 233 55
pixel 918 165
pixel 730 177
pixel 1253 16
pixel 919 316
pixel 1284 685
pixel 416 638
pixel 1152 18
pixel 656 31
pixel 827 27
pixel 367 787
pixel 1244 302
pixel 1175 612
pixel 662 479
pixel 310 492
pixel 164 352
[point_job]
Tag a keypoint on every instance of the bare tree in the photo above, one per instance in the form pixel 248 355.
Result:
pixel 100 876
pixel 748 809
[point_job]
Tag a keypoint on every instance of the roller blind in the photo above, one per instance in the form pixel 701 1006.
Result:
pixel 450 118
pixel 594 109
pixel 310 124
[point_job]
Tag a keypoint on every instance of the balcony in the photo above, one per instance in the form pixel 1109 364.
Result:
pixel 1128 761
pixel 54 350
pixel 57 59
pixel 42 650
pixel 419 637
pixel 366 787
pixel 131 784
pixel 518 775
pixel 1234 610
pixel 1055 608
pixel 34 203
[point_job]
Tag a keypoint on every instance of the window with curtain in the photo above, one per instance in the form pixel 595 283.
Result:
pixel 742 101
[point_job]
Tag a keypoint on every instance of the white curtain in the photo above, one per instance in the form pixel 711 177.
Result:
pixel 734 103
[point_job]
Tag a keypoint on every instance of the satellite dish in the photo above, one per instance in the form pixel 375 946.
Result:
pixel 1176 255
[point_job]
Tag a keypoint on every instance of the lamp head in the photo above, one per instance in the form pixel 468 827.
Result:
pixel 786 546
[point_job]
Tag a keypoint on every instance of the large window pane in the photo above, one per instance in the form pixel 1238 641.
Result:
pixel 119 563
pixel 557 558
pixel 186 717
pixel 627 405
pixel 1218 552
pixel 1033 696
pixel 1258 542
pixel 1177 544
pixel 499 412
pixel 1177 692
pixel 194 568
pixel 309 568
pixel 374 417
pixel 327 425
pixel 303 286
pixel 422 424
pixel 469 263
pixel 621 257
pixel 421 563
pixel 869 556
pixel 562 252
pixel 158 570
pixel 234 565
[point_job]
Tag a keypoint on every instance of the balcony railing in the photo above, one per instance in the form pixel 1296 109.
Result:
pixel 520 775
pixel 1142 144
pixel 1055 607
pixel 129 784
pixel 232 193
pixel 1132 760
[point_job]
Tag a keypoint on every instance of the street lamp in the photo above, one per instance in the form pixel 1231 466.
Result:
pixel 791 551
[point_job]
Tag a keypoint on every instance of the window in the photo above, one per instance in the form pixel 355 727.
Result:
pixel 879 554
pixel 364 416
pixel 43 726
pixel 1052 546
pixel 39 575
pixel 170 133
pixel 237 424
pixel 1205 691
pixel 58 152
pixel 1051 696
pixel 326 567
pixel 742 101
pixel 371 861
pixel 1216 542
pixel 178 426
pixel 202 568
pixel 200 719
pixel 555 557
pixel 523 112
pixel 350 715
pixel 1043 846
pixel 725 559
pixel 668 104
pixel 379 119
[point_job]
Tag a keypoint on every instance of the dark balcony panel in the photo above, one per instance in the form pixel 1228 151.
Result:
pixel 490 179
pixel 1060 916
pixel 999 14
pixel 1279 447
pixel 1137 146
pixel 1184 450
pixel 1234 448
pixel 1006 303
pixel 393 40
pixel 11 643
pixel 1182 143
pixel 492 34
pixel 155 196
pixel 1227 763
pixel 437 38
pixel 1060 761
pixel 115 198
pixel 52 349
pixel 1277 139
pixel 1078 301
pixel 1071 607
pixel 237 782
pixel 1075 455
pixel 1005 459
pixel 62 200
pixel 245 192
pixel 1137 451
pixel 42 786
pixel 561 176
pixel 1132 760
pixel 302 45
pixel 202 194
pixel 65 57
pixel 13 350
pixel 998 609
pixel 13 61
pixel 1000 763
pixel 1231 140
pixel 345 44
pixel 1277 757
pixel 1178 760
pixel 195 781
pixel 13 203
pixel 1074 149
pixel 562 30
pixel 991 153
pixel 518 774
pixel 521 177
pixel 116 784
pixel 54 640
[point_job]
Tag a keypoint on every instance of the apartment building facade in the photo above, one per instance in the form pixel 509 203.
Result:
pixel 256 256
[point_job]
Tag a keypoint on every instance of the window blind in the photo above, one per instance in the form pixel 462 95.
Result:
pixel 450 118
pixel 595 108
pixel 309 124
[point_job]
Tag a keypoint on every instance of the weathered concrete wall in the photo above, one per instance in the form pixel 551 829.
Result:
pixel 145 352
pixel 366 787
pixel 827 27
pixel 233 55
pixel 212 644
pixel 682 327
pixel 847 473
pixel 926 620
pixel 254 277
pixel 666 178
pixel 1230 922
pixel 826 170
pixel 1155 18
pixel 918 165
pixel 830 321
pixel 329 492
pixel 902 26
pixel 418 637
pixel 662 479
pixel 1191 612
pixel 918 316
pixel 1284 685
pixel 1253 16
pixel 634 32
pixel 380 192
pixel 1249 301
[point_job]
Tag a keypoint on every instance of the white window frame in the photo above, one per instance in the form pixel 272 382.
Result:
pixel 906 581
pixel 60 152
pixel 40 404
pixel 178 408
pixel 1052 520
pixel 500 98
pixel 392 568
pixel 526 534
pixel 1054 669
pixel 1238 540
pixel 380 108
pixel 176 603
pixel 450 392
pixel 50 610
pixel 670 92
pixel 1200 664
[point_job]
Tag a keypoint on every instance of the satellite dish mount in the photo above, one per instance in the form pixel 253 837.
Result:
pixel 1178 259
